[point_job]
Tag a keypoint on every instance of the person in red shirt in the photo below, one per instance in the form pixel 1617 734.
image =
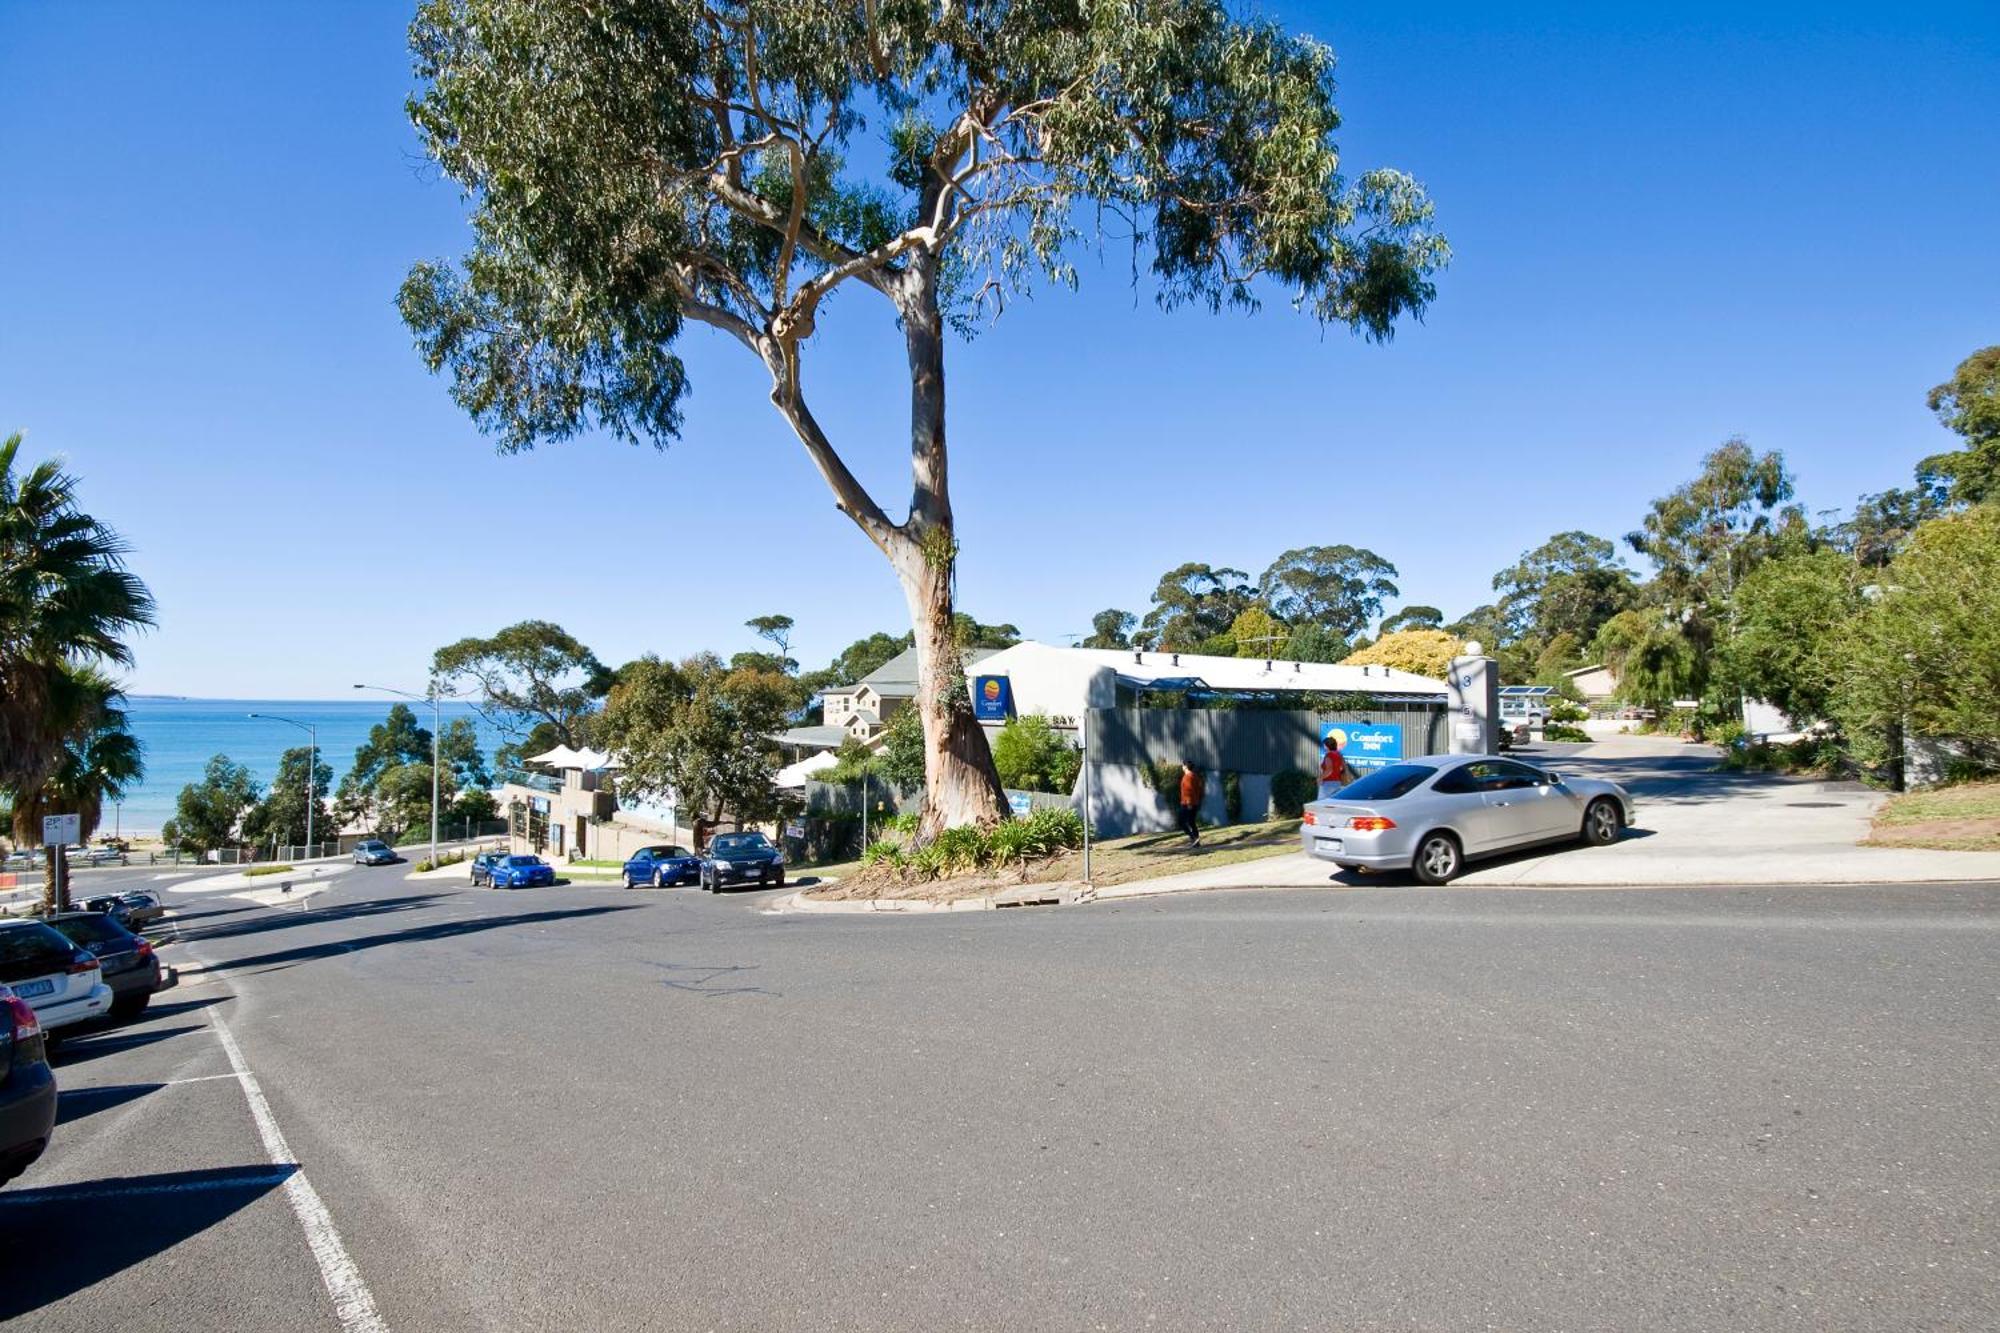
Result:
pixel 1332 768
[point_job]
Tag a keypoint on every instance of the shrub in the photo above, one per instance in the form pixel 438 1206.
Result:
pixel 1054 830
pixel 1008 842
pixel 1563 731
pixel 930 861
pixel 905 823
pixel 882 852
pixel 1291 788
pixel 1031 756
pixel 1729 735
pixel 1566 710
pixel 1232 797
pixel 1165 778
pixel 254 871
pixel 959 848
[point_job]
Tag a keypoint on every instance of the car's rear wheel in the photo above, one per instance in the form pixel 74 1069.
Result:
pixel 1438 859
pixel 1603 822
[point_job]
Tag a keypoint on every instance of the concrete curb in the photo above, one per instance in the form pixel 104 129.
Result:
pixel 1027 895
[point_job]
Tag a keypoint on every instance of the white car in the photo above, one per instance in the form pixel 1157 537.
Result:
pixel 61 983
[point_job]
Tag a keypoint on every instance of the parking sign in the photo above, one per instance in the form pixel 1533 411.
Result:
pixel 60 830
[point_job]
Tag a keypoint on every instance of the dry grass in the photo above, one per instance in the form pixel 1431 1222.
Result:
pixel 1964 818
pixel 1117 861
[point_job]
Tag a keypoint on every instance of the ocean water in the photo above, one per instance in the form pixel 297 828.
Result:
pixel 180 736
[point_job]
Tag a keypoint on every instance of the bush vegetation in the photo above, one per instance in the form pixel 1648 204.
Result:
pixel 960 850
pixel 1032 756
pixel 1563 731
pixel 1290 790
pixel 253 872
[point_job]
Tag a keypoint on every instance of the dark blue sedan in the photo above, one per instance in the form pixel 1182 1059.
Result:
pixel 661 866
pixel 522 872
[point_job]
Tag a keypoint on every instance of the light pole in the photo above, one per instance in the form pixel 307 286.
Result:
pixel 312 767
pixel 431 697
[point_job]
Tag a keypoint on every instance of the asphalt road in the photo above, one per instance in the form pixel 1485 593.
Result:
pixel 586 1108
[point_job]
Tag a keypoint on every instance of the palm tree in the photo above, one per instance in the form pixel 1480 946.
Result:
pixel 99 761
pixel 66 602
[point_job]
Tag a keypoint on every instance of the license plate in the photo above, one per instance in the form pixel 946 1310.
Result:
pixel 1327 844
pixel 26 989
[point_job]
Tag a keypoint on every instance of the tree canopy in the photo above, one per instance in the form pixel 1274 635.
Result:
pixel 1340 588
pixel 700 732
pixel 533 681
pixel 1968 404
pixel 1192 604
pixel 1427 652
pixel 207 813
pixel 637 164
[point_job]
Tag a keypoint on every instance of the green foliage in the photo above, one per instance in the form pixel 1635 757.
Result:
pixel 1164 776
pixel 1315 643
pixel 1339 588
pixel 1032 756
pixel 1414 617
pixel 206 813
pixel 532 681
pixel 283 810
pixel 1792 616
pixel 1111 628
pixel 1968 404
pixel 882 851
pixel 1925 652
pixel 97 758
pixel 67 606
pixel 1426 652
pixel 777 629
pixel 904 824
pixel 1291 789
pixel 1564 731
pixel 901 760
pixel 444 859
pixel 1193 604
pixel 254 872
pixel 700 730
pixel 959 851
pixel 1570 584
pixel 1566 710
pixel 1257 633
pixel 1232 796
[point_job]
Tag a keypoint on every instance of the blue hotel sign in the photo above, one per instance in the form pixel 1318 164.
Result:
pixel 992 698
pixel 1365 745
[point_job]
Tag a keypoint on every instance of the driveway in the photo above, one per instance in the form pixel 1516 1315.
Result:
pixel 1695 826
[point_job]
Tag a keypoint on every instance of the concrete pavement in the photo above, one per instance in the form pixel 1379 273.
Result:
pixel 581 1107
pixel 1695 827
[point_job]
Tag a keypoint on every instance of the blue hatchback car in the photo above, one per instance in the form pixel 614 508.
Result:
pixel 522 872
pixel 661 866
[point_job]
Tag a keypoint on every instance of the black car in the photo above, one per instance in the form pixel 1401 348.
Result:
pixel 741 858
pixel 482 867
pixel 113 906
pixel 130 966
pixel 27 1088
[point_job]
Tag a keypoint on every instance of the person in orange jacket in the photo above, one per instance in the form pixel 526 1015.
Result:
pixel 1191 789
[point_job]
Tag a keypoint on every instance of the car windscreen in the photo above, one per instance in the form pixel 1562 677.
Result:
pixel 518 861
pixel 94 931
pixel 739 842
pixel 1385 784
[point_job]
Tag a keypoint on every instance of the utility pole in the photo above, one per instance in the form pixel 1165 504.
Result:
pixel 311 729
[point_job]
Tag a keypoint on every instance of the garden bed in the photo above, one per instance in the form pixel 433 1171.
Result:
pixel 1963 818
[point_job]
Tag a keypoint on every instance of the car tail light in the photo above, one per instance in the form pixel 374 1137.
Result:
pixel 23 1018
pixel 1371 823
pixel 82 961
pixel 1310 818
pixel 145 949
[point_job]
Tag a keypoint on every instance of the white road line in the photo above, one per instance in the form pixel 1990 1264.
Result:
pixel 199 1078
pixel 64 1193
pixel 352 1303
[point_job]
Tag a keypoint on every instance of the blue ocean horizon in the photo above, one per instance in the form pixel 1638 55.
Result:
pixel 179 736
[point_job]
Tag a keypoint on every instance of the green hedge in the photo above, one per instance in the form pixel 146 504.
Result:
pixel 1291 788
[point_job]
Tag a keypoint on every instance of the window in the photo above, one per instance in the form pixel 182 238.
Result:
pixel 1514 777
pixel 30 950
pixel 1385 784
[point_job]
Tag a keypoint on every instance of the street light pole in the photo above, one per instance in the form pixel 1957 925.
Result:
pixel 430 697
pixel 311 729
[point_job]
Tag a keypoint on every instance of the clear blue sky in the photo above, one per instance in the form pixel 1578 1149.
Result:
pixel 1670 229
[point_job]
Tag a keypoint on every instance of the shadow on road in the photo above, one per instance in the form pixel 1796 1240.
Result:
pixel 58 1241
pixel 439 930
pixel 76 1103
pixel 288 918
pixel 75 1050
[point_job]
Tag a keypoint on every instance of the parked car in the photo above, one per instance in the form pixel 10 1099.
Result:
pixel 740 858
pixel 482 867
pixel 1511 732
pixel 113 906
pixel 662 866
pixel 27 1087
pixel 1432 815
pixel 375 852
pixel 522 872
pixel 130 966
pixel 61 982
pixel 142 908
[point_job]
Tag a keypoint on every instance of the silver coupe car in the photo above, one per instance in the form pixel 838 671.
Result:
pixel 1431 815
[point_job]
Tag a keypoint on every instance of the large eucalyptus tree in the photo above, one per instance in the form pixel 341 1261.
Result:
pixel 635 164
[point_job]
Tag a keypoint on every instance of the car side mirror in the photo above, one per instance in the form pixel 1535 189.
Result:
pixel 1554 779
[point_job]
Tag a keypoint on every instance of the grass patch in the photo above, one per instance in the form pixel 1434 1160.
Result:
pixel 251 872
pixel 1114 861
pixel 444 859
pixel 1962 818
